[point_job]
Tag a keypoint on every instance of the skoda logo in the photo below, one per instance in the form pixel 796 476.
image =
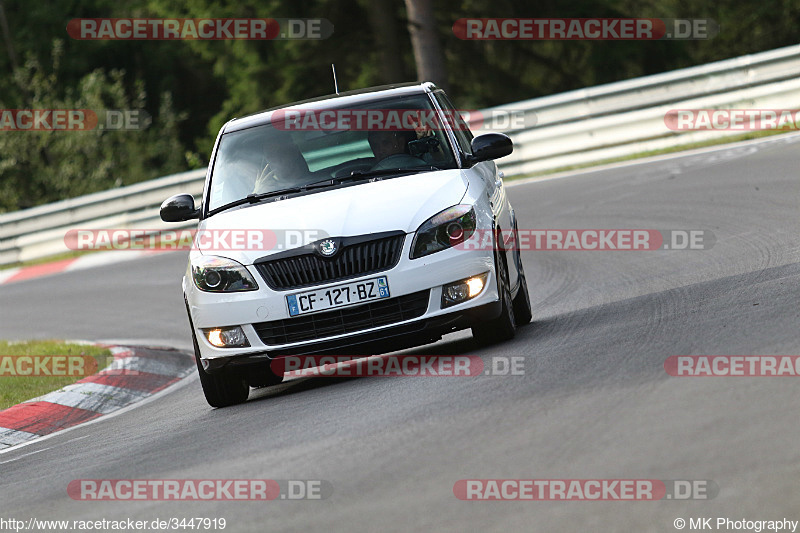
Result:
pixel 327 247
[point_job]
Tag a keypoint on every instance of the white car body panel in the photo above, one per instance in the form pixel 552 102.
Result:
pixel 401 203
pixel 392 203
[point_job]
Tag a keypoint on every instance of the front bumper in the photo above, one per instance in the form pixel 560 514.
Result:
pixel 374 342
pixel 251 309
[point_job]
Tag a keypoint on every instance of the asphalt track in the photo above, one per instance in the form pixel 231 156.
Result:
pixel 594 402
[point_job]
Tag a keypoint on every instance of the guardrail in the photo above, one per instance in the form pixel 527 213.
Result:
pixel 627 117
pixel 39 232
pixel 572 128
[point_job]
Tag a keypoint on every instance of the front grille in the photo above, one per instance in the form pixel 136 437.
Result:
pixel 347 320
pixel 358 256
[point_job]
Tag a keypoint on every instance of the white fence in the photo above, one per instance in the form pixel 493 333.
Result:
pixel 624 118
pixel 39 232
pixel 573 128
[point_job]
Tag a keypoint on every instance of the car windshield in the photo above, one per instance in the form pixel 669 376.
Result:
pixel 299 147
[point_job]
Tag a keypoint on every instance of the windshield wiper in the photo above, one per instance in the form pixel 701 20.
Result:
pixel 388 171
pixel 320 184
pixel 257 197
pixel 360 175
pixel 254 198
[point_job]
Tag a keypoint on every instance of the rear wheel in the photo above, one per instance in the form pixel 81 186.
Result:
pixel 503 327
pixel 223 388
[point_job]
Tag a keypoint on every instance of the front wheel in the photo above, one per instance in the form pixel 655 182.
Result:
pixel 223 388
pixel 522 301
pixel 502 328
pixel 261 376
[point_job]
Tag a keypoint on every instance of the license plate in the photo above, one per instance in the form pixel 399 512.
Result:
pixel 338 296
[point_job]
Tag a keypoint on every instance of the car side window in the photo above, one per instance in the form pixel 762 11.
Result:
pixel 460 128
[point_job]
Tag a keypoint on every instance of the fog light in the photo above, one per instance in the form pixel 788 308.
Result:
pixel 226 337
pixel 462 290
pixel 475 285
pixel 456 293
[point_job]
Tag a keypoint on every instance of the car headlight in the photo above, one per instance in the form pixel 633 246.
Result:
pixel 217 274
pixel 444 230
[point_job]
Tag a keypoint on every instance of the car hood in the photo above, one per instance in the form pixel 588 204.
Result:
pixel 391 204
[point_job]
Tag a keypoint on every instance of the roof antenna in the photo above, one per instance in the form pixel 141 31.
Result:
pixel 335 85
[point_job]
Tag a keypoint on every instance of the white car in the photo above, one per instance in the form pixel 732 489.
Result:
pixel 331 227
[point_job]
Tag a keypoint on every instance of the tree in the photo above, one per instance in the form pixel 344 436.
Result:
pixel 384 22
pixel 38 167
pixel 425 40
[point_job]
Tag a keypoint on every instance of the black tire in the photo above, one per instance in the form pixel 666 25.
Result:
pixel 261 376
pixel 522 301
pixel 502 328
pixel 221 389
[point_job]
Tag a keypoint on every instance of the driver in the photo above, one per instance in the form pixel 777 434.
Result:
pixel 285 167
pixel 390 149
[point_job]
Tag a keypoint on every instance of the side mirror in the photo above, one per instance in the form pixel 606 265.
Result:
pixel 179 208
pixel 490 146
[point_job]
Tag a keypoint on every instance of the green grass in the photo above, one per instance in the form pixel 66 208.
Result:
pixel 15 389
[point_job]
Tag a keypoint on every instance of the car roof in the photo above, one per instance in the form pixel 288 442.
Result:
pixel 342 99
